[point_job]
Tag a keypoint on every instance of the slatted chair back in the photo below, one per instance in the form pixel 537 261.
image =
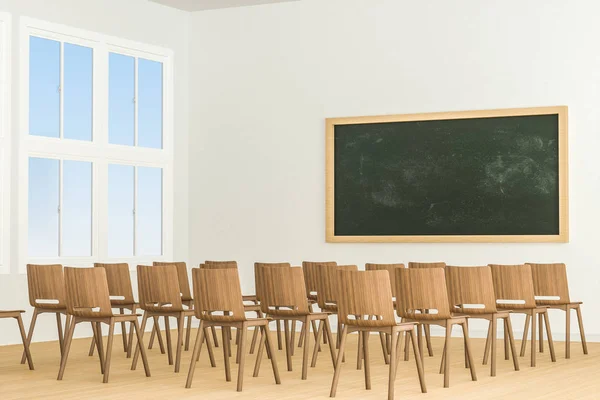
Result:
pixel 327 285
pixel 220 264
pixel 182 276
pixel 87 293
pixel 550 280
pixel 46 285
pixel 426 264
pixel 513 285
pixel 119 283
pixel 311 276
pixel 367 299
pixel 422 289
pixel 471 290
pixel 284 291
pixel 390 268
pixel 158 288
pixel 217 290
pixel 258 275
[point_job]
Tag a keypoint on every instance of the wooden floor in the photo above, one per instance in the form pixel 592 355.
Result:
pixel 577 378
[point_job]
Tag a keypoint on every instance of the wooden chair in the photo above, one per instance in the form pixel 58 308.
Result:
pixel 257 286
pixel 385 339
pixel 413 264
pixel 88 300
pixel 513 285
pixel 121 297
pixel 160 296
pixel 283 298
pixel 218 290
pixel 471 293
pixel 186 300
pixel 551 289
pixel 47 296
pixel 366 307
pixel 311 278
pixel 255 307
pixel 425 289
pixel 16 314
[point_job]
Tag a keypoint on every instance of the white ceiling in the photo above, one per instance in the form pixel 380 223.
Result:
pixel 198 5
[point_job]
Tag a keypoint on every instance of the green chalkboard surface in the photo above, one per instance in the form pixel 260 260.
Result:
pixel 450 175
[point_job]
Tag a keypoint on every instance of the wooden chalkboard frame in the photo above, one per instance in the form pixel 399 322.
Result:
pixel 563 235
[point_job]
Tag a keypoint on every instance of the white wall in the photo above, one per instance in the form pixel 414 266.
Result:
pixel 265 78
pixel 137 20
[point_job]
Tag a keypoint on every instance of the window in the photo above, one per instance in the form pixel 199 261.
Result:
pixel 5 29
pixel 95 150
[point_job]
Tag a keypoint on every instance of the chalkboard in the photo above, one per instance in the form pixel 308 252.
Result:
pixel 476 176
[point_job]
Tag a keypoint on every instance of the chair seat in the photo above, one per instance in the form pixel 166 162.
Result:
pixel 543 303
pixel 251 307
pixel 10 313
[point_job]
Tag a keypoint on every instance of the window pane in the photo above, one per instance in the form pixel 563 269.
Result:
pixel 121 94
pixel 77 208
pixel 120 210
pixel 77 92
pixel 43 207
pixel 44 82
pixel 149 212
pixel 150 105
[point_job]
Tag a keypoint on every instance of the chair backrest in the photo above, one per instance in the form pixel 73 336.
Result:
pixel 550 280
pixel 158 288
pixel 258 275
pixel 119 283
pixel 283 291
pixel 327 285
pixel 390 268
pixel 182 276
pixel 367 299
pixel 87 292
pixel 422 289
pixel 46 285
pixel 311 275
pixel 219 264
pixel 513 285
pixel 470 290
pixel 218 290
pixel 426 264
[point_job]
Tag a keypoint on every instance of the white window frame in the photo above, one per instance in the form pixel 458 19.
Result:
pixel 5 142
pixel 98 151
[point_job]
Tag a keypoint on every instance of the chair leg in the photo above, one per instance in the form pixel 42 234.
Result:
pixel 30 334
pixel 506 342
pixel 261 346
pixel 317 342
pixel 92 347
pixel 568 333
pixel 418 362
pixel 329 336
pixel 60 332
pixel 541 332
pixel 188 333
pixel 359 354
pixel 254 339
pixel 196 354
pixel 338 363
pixel 447 355
pixel 533 337
pixel 525 332
pixel 493 343
pixel 279 342
pixel 288 353
pixel 140 337
pixel 420 330
pixel 180 332
pixel 271 348
pixel 427 329
pixel 581 331
pixel 511 338
pixel 488 344
pixel 140 343
pixel 393 364
pixel 24 339
pixel 214 335
pixel 469 352
pixel 99 344
pixel 65 356
pixel 209 348
pixel 226 345
pixel 169 344
pixel 365 343
pixel 306 327
pixel 131 333
pixel 406 343
pixel 293 336
pixel 242 361
pixel 549 336
pixel 109 344
pixel 384 344
pixel 123 331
